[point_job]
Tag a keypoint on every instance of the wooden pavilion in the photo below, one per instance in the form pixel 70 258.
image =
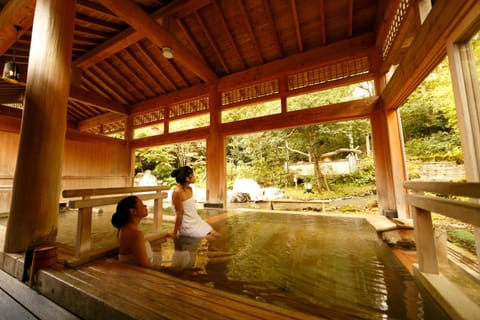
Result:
pixel 95 73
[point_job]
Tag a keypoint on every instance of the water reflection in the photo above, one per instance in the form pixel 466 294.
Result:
pixel 325 266
pixel 185 254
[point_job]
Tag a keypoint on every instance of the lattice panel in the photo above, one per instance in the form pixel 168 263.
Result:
pixel 190 107
pixel 14 105
pixel 144 119
pixel 250 93
pixel 329 73
pixel 95 130
pixel 395 27
pixel 113 127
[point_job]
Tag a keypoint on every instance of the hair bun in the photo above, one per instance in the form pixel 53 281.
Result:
pixel 175 172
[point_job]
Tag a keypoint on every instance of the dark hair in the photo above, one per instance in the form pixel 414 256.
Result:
pixel 122 215
pixel 182 173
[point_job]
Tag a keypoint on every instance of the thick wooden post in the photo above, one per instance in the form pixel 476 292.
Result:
pixel 37 184
pixel 397 158
pixel 383 162
pixel 216 158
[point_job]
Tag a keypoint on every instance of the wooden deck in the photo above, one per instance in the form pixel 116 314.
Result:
pixel 106 289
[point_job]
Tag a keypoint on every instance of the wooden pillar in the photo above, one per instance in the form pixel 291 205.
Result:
pixel 398 161
pixel 216 157
pixel 382 159
pixel 37 183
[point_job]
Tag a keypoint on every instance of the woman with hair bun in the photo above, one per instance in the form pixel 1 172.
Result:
pixel 188 222
pixel 133 249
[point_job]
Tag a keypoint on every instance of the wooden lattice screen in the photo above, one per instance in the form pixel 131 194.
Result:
pixel 151 117
pixel 188 108
pixel 400 14
pixel 329 73
pixel 249 93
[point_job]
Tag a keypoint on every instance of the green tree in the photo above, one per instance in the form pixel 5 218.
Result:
pixel 429 119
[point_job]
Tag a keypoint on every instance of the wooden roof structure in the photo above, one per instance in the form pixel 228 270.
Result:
pixel 96 68
pixel 228 54
pixel 244 46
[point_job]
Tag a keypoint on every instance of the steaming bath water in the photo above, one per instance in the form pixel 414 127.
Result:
pixel 331 267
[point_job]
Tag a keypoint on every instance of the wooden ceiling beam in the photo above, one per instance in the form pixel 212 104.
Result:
pixel 136 17
pixel 98 120
pixel 271 22
pixel 212 43
pixel 251 34
pixel 350 18
pixel 298 32
pixel 334 112
pixel 323 30
pixel 158 69
pixel 130 68
pixel 78 94
pixel 96 8
pixel 96 80
pixel 18 12
pixel 189 38
pixel 138 64
pixel 130 35
pixel 229 34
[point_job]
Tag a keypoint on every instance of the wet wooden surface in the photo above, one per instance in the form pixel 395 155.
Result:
pixel 105 288
pixel 18 301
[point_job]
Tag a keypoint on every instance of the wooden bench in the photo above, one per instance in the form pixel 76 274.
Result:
pixel 323 202
pixel 87 199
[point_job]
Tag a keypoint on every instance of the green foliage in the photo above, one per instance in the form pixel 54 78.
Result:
pixel 252 111
pixel 330 96
pixel 429 120
pixel 440 146
pixel 364 175
pixel 163 159
pixel 463 239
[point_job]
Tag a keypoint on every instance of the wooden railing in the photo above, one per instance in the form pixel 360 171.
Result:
pixel 87 199
pixel 460 201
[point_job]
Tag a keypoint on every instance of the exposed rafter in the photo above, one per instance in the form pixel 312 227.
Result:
pixel 142 22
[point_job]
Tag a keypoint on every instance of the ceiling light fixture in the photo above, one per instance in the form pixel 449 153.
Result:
pixel 11 70
pixel 167 52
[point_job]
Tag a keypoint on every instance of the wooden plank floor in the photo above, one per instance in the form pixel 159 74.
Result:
pixel 106 289
pixel 18 301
